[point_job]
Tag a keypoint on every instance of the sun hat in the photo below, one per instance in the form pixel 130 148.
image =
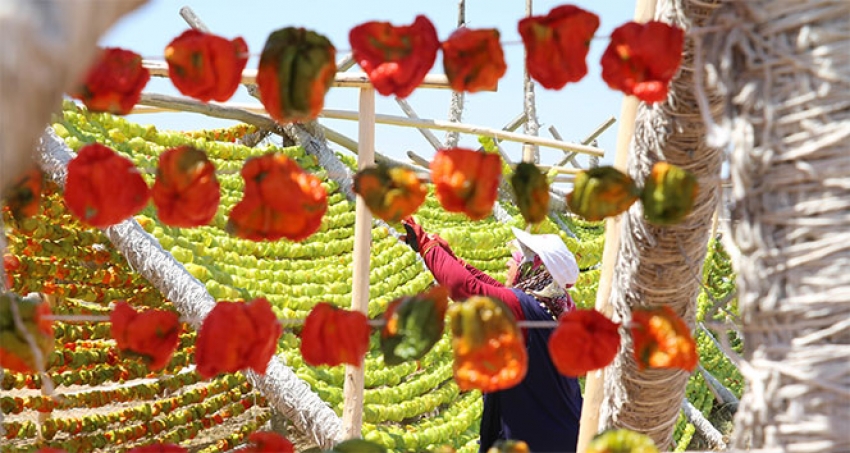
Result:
pixel 554 254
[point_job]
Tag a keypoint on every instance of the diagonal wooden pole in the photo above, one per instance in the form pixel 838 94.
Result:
pixel 352 412
pixel 594 385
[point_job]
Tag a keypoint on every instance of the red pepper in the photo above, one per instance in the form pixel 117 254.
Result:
pixel 641 59
pixel 473 59
pixel 585 340
pixel 396 58
pixel 556 45
pixel 114 82
pixel 466 180
pixel 186 192
pixel 205 66
pixel 662 340
pixel 235 336
pixel 104 188
pixel 333 336
pixel 152 334
pixel 281 200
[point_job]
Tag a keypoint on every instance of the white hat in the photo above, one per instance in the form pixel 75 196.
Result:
pixel 554 254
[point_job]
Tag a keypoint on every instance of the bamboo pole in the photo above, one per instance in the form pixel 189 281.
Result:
pixel 352 412
pixel 570 157
pixel 456 102
pixel 408 110
pixel 530 153
pixel 594 384
pixel 467 128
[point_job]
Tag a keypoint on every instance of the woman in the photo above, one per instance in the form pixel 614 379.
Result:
pixel 545 408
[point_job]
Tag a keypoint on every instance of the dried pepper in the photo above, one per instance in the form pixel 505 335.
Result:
pixel 390 193
pixel 641 59
pixel 104 188
pixel 333 336
pixel 205 66
pixel 466 181
pixel 186 191
pixel 602 192
pixel 489 351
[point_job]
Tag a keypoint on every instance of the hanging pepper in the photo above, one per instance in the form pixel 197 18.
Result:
pixel 390 193
pixel 602 192
pixel 236 336
pixel 205 66
pixel 466 181
pixel 297 68
pixel 396 58
pixel 104 188
pixel 473 59
pixel 152 335
pixel 641 59
pixel 16 353
pixel 621 441
pixel 584 340
pixel 531 192
pixel 556 45
pixel 186 191
pixel 413 325
pixel 114 82
pixel 268 442
pixel 668 194
pixel 281 201
pixel 662 340
pixel 333 336
pixel 489 352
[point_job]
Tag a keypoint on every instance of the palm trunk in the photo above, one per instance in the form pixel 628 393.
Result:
pixel 662 265
pixel 785 68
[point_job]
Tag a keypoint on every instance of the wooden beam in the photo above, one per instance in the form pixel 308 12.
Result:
pixel 467 128
pixel 570 157
pixel 594 387
pixel 408 122
pixel 352 412
pixel 429 136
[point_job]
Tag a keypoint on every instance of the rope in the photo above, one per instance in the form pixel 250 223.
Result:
pixel 784 70
pixel 656 265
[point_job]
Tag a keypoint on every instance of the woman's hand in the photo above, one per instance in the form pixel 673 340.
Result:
pixel 419 240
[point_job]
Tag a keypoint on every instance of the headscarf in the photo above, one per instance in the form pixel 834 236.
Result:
pixel 533 278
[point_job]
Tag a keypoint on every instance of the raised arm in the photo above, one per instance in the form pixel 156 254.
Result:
pixel 461 279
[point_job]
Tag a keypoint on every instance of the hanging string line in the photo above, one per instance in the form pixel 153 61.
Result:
pixel 376 323
pixel 348 50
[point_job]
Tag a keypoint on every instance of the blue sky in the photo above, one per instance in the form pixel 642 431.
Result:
pixel 574 111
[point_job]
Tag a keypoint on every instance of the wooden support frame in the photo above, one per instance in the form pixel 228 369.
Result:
pixel 352 412
pixel 421 123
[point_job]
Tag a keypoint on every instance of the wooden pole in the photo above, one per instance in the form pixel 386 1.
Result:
pixel 148 104
pixel 594 385
pixel 530 153
pixel 408 110
pixel 352 412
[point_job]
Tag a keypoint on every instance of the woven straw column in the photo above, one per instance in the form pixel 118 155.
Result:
pixel 784 67
pixel 662 265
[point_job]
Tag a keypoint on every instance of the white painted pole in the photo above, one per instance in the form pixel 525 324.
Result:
pixel 352 412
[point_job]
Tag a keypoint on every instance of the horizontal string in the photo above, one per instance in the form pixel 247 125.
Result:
pixel 347 50
pixel 525 324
